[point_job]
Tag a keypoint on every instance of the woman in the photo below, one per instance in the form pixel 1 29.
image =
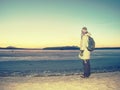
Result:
pixel 84 53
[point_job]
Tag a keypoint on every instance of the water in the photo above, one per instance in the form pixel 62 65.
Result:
pixel 54 62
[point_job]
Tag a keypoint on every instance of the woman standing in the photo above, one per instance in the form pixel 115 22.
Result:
pixel 84 52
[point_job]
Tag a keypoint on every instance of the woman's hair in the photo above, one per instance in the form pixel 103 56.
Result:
pixel 85 28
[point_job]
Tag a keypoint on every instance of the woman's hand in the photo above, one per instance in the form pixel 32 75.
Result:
pixel 81 52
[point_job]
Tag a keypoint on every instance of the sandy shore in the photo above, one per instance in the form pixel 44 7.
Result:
pixel 99 81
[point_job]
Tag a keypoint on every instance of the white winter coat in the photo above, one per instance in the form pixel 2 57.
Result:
pixel 83 46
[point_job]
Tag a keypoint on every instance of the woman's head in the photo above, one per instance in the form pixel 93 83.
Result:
pixel 84 30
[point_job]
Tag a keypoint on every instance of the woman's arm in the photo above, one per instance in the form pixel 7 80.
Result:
pixel 84 42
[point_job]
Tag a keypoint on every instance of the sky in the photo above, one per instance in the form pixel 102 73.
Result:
pixel 49 23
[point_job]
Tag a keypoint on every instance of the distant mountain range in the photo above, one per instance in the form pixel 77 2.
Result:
pixel 62 48
pixel 10 47
pixel 58 48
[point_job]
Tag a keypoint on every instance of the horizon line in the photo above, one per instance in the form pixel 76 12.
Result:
pixel 13 47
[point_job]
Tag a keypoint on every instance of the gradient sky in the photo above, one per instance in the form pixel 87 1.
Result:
pixel 46 23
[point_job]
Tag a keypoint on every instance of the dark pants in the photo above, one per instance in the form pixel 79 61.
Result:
pixel 86 66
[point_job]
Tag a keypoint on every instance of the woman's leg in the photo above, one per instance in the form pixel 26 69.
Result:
pixel 86 67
